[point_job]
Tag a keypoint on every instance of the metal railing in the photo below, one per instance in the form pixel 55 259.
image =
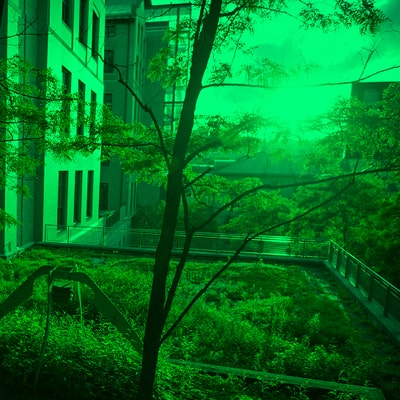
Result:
pixel 370 285
pixel 218 243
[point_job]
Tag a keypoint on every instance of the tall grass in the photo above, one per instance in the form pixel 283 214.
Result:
pixel 266 318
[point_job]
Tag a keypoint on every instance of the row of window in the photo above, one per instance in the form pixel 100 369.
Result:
pixel 66 106
pixel 62 208
pixel 68 18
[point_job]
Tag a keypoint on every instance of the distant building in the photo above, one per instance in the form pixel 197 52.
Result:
pixel 369 92
pixel 166 103
pixel 66 36
pixel 125 47
pixel 134 35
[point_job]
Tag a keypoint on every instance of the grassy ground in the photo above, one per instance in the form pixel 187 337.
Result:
pixel 261 317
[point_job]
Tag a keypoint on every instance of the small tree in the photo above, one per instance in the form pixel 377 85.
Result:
pixel 218 25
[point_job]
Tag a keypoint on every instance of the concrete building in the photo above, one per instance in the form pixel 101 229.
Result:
pixel 66 36
pixel 134 34
pixel 125 47
pixel 165 102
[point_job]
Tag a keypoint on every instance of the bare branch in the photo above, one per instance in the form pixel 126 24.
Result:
pixel 248 85
pixel 291 185
pixel 144 107
pixel 370 55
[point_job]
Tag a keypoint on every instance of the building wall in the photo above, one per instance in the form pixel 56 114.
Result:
pixel 48 41
pixel 14 21
pixel 66 50
pixel 125 47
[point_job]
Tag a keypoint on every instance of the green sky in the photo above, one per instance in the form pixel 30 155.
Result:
pixel 309 57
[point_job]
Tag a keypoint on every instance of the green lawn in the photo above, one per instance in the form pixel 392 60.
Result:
pixel 260 317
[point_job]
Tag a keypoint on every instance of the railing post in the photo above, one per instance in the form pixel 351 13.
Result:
pixel 370 287
pixel 357 275
pixel 346 266
pixel 385 306
pixel 339 260
pixel 330 252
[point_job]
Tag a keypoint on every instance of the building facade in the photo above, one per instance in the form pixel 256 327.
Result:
pixel 68 37
pixel 134 34
pixel 125 49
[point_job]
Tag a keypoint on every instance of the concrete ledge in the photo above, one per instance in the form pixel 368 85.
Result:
pixel 368 393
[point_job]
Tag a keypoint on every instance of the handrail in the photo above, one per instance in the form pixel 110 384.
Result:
pixel 210 242
pixel 369 270
pixel 379 297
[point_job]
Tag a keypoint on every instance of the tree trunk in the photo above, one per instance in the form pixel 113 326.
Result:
pixel 155 320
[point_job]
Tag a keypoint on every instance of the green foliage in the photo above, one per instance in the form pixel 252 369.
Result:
pixel 364 219
pixel 263 318
pixel 37 116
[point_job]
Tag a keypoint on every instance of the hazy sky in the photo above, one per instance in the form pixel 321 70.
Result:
pixel 327 57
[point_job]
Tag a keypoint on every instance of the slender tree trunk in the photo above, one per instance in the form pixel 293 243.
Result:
pixel 155 319
pixel 202 47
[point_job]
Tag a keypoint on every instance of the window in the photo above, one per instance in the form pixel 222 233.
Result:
pixel 80 123
pixel 108 61
pixel 67 7
pixel 62 199
pixel 1 10
pixel 66 103
pixel 78 197
pixel 66 76
pixel 93 105
pixel 110 30
pixel 108 100
pixel 95 35
pixel 103 196
pixel 89 199
pixel 83 22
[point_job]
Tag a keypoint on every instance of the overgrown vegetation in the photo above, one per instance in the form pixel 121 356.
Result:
pixel 257 316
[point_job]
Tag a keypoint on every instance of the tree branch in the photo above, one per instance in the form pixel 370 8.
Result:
pixel 248 85
pixel 249 237
pixel 143 106
pixel 291 185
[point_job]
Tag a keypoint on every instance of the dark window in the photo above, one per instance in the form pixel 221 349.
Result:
pixel 66 103
pixel 83 22
pixel 62 199
pixel 108 61
pixel 108 100
pixel 103 196
pixel 110 30
pixel 93 105
pixel 67 7
pixel 78 197
pixel 66 75
pixel 1 10
pixel 80 123
pixel 95 35
pixel 89 199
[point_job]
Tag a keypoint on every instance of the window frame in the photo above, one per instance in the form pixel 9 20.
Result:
pixel 109 58
pixel 89 194
pixel 95 34
pixel 66 12
pixel 78 197
pixel 80 118
pixel 62 200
